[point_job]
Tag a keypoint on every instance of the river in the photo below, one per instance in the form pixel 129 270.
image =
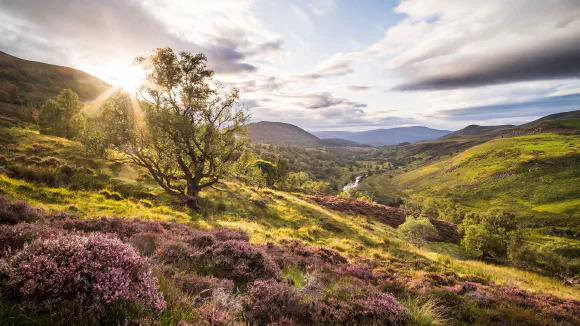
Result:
pixel 353 184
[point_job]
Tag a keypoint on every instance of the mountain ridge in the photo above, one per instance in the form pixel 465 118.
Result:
pixel 30 83
pixel 390 136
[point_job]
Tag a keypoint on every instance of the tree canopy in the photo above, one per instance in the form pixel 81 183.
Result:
pixel 188 131
pixel 61 116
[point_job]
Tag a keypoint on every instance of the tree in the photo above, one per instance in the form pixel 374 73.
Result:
pixel 487 235
pixel 294 181
pixel 269 171
pixel 417 230
pixel 282 169
pixel 62 116
pixel 110 126
pixel 519 252
pixel 191 130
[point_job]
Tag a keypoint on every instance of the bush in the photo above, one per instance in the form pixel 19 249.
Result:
pixel 379 309
pixel 147 243
pixel 201 239
pixel 417 230
pixel 271 302
pixel 225 234
pixel 202 286
pixel 360 308
pixel 92 271
pixel 240 261
pixel 176 253
pixel 12 212
pixel 14 237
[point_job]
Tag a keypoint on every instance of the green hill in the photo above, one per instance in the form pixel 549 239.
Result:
pixel 30 83
pixel 536 177
pixel 333 256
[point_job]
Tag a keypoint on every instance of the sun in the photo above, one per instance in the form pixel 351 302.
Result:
pixel 126 77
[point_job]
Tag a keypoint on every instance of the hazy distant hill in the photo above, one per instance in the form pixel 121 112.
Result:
pixel 24 82
pixel 476 130
pixel 279 133
pixel 390 136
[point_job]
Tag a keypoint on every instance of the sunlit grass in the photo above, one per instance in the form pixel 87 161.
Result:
pixel 284 217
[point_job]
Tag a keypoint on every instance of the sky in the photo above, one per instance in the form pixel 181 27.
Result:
pixel 331 64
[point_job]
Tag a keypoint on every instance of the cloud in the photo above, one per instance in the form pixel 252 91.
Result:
pixel 325 100
pixel 321 7
pixel 532 108
pixel 358 88
pixel 340 64
pixel 447 45
pixel 87 33
pixel 560 61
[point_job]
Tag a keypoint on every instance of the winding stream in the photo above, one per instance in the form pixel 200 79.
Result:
pixel 353 184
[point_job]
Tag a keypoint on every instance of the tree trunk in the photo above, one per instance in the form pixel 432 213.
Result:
pixel 191 199
pixel 192 202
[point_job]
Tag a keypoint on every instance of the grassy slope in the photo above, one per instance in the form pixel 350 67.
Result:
pixel 535 177
pixel 285 216
pixel 40 81
pixel 527 175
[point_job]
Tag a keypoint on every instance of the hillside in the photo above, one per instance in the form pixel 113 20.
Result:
pixel 475 130
pixel 390 136
pixel 331 254
pixel 418 153
pixel 535 177
pixel 555 116
pixel 26 82
pixel 278 133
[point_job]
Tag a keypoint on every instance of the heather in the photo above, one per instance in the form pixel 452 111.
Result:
pixel 60 267
pixel 91 271
pixel 252 251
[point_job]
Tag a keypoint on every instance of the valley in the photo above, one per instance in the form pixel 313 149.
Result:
pixel 478 226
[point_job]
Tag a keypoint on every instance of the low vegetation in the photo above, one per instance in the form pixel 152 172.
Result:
pixel 184 223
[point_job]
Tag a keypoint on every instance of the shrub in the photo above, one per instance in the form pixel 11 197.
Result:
pixel 240 261
pixel 201 239
pixel 14 237
pixel 417 230
pixel 92 271
pixel 271 302
pixel 379 309
pixel 51 161
pixel 225 234
pixel 147 243
pixel 176 253
pixel 202 286
pixel 12 212
pixel 222 309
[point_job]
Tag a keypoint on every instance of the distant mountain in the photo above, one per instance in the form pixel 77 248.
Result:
pixel 476 130
pixel 390 136
pixel 24 82
pixel 279 133
pixel 337 142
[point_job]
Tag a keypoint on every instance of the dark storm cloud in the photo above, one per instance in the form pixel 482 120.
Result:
pixel 556 61
pixel 540 107
pixel 105 29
